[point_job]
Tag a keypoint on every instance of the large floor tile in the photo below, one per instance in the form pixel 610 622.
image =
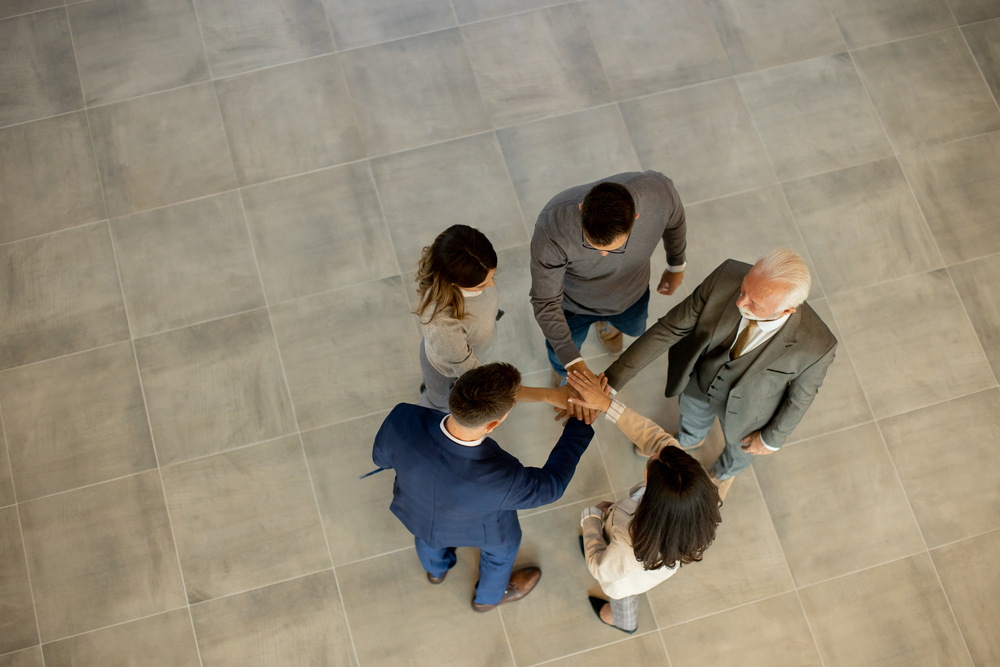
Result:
pixel 895 615
pixel 31 657
pixel 814 116
pixel 553 69
pixel 649 46
pixel 318 232
pixel 862 226
pixel 75 421
pixel 548 156
pixel 968 573
pixel 953 483
pixel 702 137
pixel 469 11
pixel 958 188
pixel 927 90
pixel 37 68
pixel 414 92
pixel 166 640
pixel 427 190
pixel 865 23
pixel 770 633
pixel 646 649
pixel 100 556
pixel 289 119
pixel 349 353
pixel 126 48
pixel 765 33
pixel 186 263
pixel 214 386
pixel 245 519
pixel 161 149
pixel 984 41
pixel 977 284
pixel 60 295
pixel 361 23
pixel 837 505
pixel 895 334
pixel 969 11
pixel 241 36
pixel 49 176
pixel 384 592
pixel 17 624
pixel 298 622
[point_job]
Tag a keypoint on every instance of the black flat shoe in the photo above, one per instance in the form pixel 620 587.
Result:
pixel 423 387
pixel 598 604
pixel 582 550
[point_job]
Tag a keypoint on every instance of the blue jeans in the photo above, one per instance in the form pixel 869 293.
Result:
pixel 631 322
pixel 495 565
pixel 696 420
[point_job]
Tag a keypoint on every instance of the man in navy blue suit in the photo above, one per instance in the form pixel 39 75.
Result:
pixel 455 487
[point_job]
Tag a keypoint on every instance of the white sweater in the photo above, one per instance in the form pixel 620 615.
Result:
pixel 455 346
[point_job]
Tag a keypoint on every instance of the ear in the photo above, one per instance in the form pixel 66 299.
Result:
pixel 580 206
pixel 492 425
pixel 636 215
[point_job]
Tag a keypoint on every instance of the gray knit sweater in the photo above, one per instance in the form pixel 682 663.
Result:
pixel 455 346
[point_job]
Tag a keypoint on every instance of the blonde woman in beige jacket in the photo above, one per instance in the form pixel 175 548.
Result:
pixel 666 521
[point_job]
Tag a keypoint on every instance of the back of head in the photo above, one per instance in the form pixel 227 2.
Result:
pixel 785 267
pixel 607 214
pixel 484 394
pixel 461 256
pixel 678 514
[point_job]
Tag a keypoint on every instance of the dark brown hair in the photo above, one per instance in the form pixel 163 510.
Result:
pixel 461 256
pixel 678 513
pixel 608 213
pixel 484 394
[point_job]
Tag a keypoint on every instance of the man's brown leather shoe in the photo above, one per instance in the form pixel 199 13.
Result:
pixel 521 583
pixel 610 337
pixel 436 580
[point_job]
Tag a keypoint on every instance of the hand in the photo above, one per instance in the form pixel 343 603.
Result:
pixel 669 282
pixel 752 444
pixel 557 397
pixel 604 506
pixel 586 415
pixel 593 395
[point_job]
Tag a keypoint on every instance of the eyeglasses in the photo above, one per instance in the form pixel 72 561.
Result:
pixel 616 251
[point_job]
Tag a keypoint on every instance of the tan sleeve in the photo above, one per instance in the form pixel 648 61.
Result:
pixel 646 433
pixel 607 562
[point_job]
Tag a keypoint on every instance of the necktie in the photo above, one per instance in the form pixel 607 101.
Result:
pixel 742 340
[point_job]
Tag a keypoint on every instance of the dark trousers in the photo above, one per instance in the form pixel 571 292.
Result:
pixel 495 565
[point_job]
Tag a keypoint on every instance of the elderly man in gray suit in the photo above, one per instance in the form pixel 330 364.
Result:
pixel 744 347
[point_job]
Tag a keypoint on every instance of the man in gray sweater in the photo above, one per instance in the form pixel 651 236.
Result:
pixel 590 261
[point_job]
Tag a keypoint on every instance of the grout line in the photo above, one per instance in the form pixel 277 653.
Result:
pixel 374 556
pixel 506 637
pixel 42 118
pixel 113 625
pixel 573 654
pixel 964 539
pixel 199 323
pixel 262 586
pixel 979 68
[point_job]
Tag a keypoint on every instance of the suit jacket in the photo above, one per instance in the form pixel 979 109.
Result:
pixel 450 495
pixel 776 390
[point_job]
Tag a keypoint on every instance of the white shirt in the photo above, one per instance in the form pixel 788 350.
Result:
pixel 464 443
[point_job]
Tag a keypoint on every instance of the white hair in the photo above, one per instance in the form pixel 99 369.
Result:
pixel 783 265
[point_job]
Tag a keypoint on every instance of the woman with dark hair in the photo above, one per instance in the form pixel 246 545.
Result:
pixel 458 309
pixel 665 522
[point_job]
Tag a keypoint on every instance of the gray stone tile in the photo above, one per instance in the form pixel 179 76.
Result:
pixel 977 283
pixel 295 622
pixel 895 615
pixel 478 10
pixel 161 149
pixel 389 588
pixel 289 119
pixel 186 263
pixel 16 7
pixel 958 188
pixel 100 556
pixel 770 633
pixel 126 48
pixel 927 90
pixel 37 69
pixel 214 386
pixel 984 42
pixel 31 657
pixel 349 353
pixel 765 33
pixel 318 232
pixel 49 176
pixel 248 35
pixel 244 519
pixel 166 640
pixel 17 624
pixel 646 649
pixel 75 420
pixel 937 478
pixel 968 573
pixel 427 190
pixel 865 23
pixel 896 346
pixel 861 226
pixel 837 505
pixel 413 92
pixel 554 69
pixel 969 11
pixel 648 46
pixel 702 137
pixel 548 156
pixel 814 116
pixel 61 295
pixel 360 24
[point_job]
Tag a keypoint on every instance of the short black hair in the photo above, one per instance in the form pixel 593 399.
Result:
pixel 484 394
pixel 608 213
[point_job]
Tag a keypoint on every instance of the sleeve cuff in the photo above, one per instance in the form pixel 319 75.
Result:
pixel 615 411
pixel 672 268
pixel 773 449
pixel 574 361
pixel 589 512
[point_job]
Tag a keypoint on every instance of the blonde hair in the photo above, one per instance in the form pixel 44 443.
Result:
pixel 783 265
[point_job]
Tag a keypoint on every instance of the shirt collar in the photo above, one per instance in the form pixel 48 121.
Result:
pixel 464 443
pixel 467 294
pixel 771 325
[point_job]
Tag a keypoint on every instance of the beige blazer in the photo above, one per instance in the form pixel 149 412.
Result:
pixel 607 545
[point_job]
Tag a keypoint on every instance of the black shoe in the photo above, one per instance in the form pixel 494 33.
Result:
pixel 423 387
pixel 582 550
pixel 436 580
pixel 598 604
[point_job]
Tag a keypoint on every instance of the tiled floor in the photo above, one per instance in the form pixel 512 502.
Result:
pixel 210 213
